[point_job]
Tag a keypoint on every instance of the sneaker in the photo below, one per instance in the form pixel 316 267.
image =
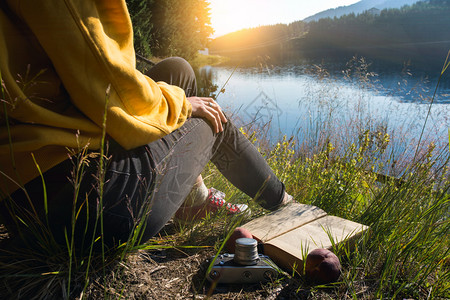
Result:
pixel 215 202
pixel 287 199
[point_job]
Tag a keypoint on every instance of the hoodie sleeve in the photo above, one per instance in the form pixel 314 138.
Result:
pixel 90 46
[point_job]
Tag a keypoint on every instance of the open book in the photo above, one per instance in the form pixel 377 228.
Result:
pixel 293 231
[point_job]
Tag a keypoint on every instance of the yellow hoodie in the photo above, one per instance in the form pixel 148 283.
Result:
pixel 57 59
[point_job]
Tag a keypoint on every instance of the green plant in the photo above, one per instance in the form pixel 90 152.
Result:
pixel 36 266
pixel 405 253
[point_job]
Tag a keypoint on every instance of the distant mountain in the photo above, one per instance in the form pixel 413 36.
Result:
pixel 359 7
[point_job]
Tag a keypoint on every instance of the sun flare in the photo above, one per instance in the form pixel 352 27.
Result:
pixel 232 15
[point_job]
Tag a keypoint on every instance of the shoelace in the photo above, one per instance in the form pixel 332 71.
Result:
pixel 219 202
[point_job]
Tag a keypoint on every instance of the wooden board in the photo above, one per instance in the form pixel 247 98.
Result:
pixel 290 233
pixel 279 222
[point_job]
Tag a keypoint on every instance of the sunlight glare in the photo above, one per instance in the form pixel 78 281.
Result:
pixel 232 15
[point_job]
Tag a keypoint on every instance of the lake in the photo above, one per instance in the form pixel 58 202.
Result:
pixel 312 103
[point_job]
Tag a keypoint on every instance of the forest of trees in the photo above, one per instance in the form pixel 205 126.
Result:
pixel 418 34
pixel 170 27
pixel 254 37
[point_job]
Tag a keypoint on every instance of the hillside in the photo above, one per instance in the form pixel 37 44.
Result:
pixel 414 35
pixel 358 8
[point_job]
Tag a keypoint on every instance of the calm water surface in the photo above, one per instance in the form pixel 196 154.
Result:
pixel 304 104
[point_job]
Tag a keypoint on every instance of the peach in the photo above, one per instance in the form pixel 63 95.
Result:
pixel 322 266
pixel 238 233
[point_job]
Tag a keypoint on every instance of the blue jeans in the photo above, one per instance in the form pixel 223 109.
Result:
pixel 151 182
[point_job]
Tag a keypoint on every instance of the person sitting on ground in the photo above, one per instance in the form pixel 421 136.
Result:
pixel 62 63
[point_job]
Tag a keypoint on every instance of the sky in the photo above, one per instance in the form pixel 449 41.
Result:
pixel 232 15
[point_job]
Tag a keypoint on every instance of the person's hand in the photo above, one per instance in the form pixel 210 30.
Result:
pixel 209 109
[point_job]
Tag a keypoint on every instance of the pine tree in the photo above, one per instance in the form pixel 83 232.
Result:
pixel 180 27
pixel 140 14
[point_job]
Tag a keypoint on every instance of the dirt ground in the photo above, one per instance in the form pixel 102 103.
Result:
pixel 179 273
pixel 172 274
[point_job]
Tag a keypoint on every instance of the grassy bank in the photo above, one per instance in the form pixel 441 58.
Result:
pixel 198 61
pixel 405 254
pixel 208 60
